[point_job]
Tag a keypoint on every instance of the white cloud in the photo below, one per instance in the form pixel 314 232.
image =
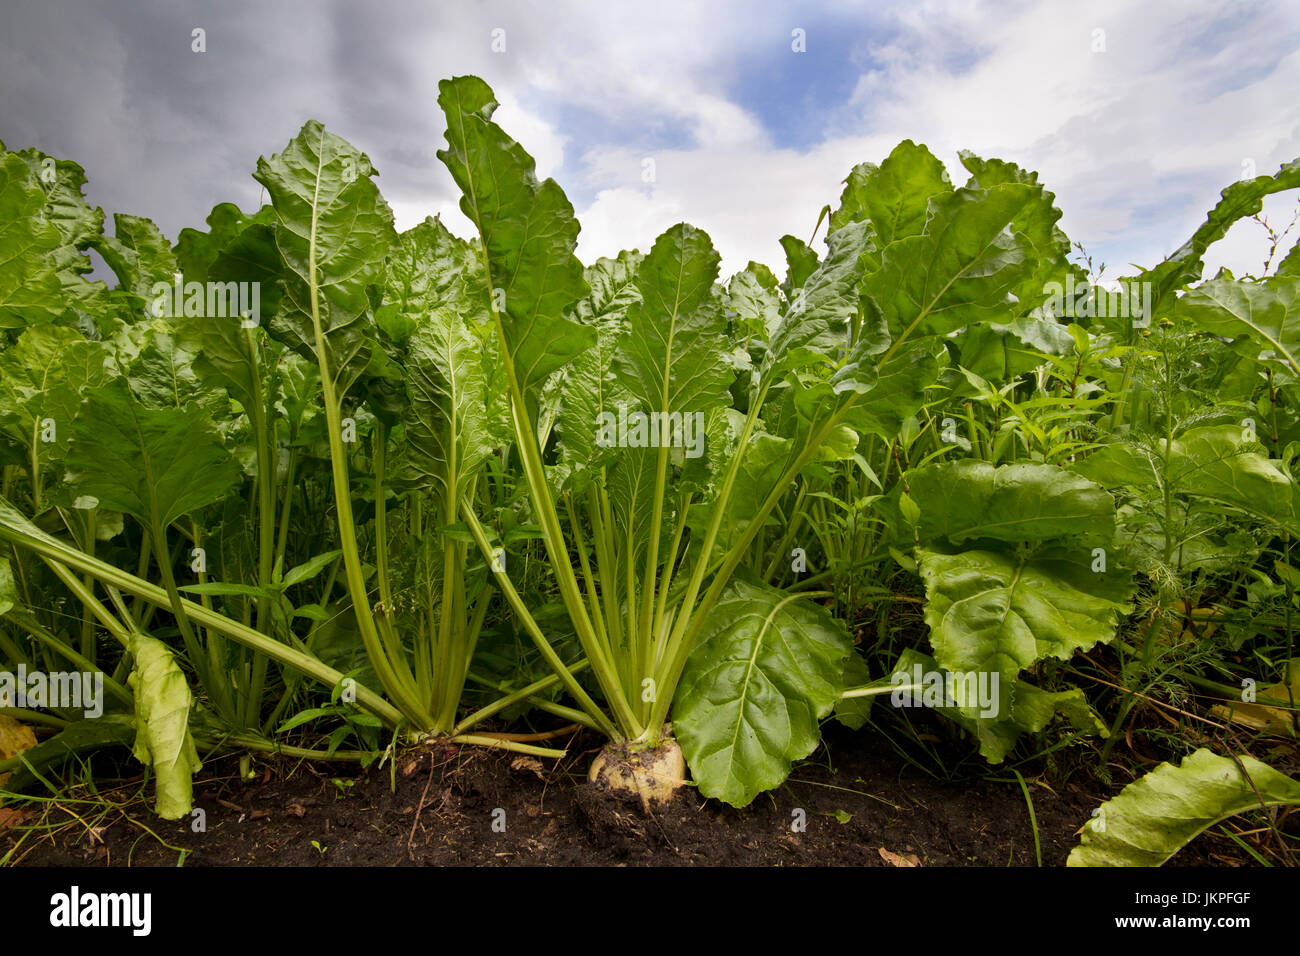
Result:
pixel 744 199
pixel 1128 138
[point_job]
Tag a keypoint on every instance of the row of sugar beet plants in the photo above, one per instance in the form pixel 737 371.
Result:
pixel 342 511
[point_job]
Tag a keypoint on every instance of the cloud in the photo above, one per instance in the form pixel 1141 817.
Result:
pixel 749 138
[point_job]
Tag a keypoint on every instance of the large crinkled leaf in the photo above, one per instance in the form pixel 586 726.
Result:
pixel 815 325
pixel 854 712
pixel 42 377
pixel 162 725
pixel 630 482
pixel 162 375
pixel 1218 462
pixel 333 230
pixel 453 421
pixel 672 356
pixel 590 386
pixel 670 361
pixel 965 500
pixel 755 307
pixel 1009 602
pixel 612 285
pixel 140 256
pixel 1002 612
pixel 80 226
pixel 66 209
pixel 237 248
pixel 894 196
pixel 898 389
pixel 528 231
pixel 154 463
pixel 1003 351
pixel 768 667
pixel 1158 814
pixel 702 476
pixel 1268 313
pixel 29 283
pixel 1036 222
pixel 961 270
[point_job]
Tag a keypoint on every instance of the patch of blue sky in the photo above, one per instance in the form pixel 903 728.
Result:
pixel 798 96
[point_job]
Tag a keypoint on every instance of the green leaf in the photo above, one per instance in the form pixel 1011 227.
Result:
pixel 1158 814
pixel 29 284
pixel 756 307
pixel 965 500
pixel 1026 709
pixel 1290 266
pixel 305 716
pixel 613 290
pixel 42 376
pixel 155 464
pixel 454 420
pixel 528 231
pixel 313 612
pixel 162 715
pixel 854 711
pixel 764 459
pixel 80 226
pixel 238 248
pixel 801 262
pixel 893 197
pixel 671 357
pixel 1218 462
pixel 140 256
pixel 333 230
pixel 961 270
pixel 162 375
pixel 994 612
pixel 1036 223
pixel 768 667
pixel 1003 351
pixel 1268 313
pixel 898 392
pixel 308 569
pixel 1239 200
pixel 224 588
pixel 816 323
pixel 591 386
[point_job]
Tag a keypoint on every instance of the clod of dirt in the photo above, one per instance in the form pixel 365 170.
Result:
pixel 653 774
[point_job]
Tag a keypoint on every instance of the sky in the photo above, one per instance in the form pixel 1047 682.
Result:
pixel 742 118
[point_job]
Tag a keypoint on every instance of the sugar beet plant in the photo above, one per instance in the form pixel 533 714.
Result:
pixel 285 486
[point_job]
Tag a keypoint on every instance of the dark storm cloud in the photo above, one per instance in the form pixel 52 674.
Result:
pixel 167 132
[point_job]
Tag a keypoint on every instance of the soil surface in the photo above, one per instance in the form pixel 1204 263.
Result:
pixel 856 803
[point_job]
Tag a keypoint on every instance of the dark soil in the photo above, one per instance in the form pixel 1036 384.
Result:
pixel 473 806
